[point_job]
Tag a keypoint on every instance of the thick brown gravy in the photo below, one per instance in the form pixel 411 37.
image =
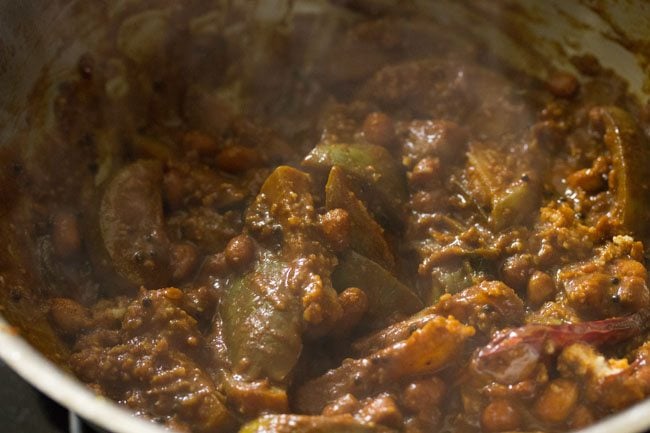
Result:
pixel 399 234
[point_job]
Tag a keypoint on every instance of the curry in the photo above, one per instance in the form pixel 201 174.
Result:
pixel 407 236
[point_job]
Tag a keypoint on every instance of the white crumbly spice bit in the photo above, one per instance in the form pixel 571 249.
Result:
pixel 622 239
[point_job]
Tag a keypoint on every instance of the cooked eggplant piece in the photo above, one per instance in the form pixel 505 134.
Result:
pixel 387 296
pixel 507 186
pixel 262 321
pixel 285 207
pixel 381 180
pixel 452 278
pixel 366 235
pixel 132 227
pixel 630 152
